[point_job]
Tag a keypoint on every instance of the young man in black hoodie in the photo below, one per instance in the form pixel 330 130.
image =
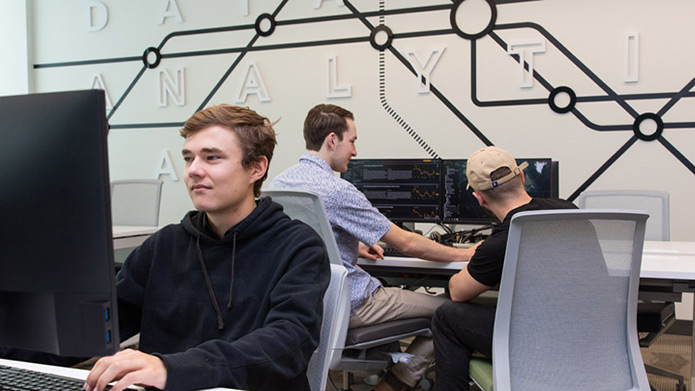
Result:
pixel 232 296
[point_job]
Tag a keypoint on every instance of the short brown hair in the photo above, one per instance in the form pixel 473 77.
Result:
pixel 323 120
pixel 255 132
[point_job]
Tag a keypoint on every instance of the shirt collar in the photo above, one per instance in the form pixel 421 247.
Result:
pixel 318 160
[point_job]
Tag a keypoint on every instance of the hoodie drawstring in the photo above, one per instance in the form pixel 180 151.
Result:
pixel 211 293
pixel 231 280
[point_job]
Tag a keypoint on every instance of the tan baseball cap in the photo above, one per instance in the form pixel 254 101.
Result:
pixel 484 161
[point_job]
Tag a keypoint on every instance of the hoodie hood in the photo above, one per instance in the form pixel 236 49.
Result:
pixel 260 219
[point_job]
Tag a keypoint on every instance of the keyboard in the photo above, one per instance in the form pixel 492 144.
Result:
pixel 393 252
pixel 18 379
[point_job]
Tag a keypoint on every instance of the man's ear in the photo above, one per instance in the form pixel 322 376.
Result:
pixel 331 141
pixel 259 168
pixel 481 200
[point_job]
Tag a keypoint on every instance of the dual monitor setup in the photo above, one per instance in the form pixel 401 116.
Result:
pixel 434 190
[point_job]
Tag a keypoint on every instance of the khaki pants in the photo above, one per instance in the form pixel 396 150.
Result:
pixel 387 304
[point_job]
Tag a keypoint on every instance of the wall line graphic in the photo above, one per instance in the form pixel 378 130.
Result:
pixel 610 95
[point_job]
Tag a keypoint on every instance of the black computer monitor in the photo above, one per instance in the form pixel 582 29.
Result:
pixel 57 289
pixel 459 205
pixel 404 190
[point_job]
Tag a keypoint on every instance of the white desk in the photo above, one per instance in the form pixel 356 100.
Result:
pixel 669 265
pixel 668 260
pixel 80 374
pixel 128 236
pixel 660 260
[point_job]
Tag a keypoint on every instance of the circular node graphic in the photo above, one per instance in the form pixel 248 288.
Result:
pixel 270 26
pixel 146 57
pixel 461 16
pixel 381 37
pixel 639 126
pixel 569 106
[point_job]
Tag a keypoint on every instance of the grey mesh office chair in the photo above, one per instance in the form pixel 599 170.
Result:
pixel 653 317
pixel 655 203
pixel 333 328
pixel 308 207
pixel 566 315
pixel 350 353
pixel 136 202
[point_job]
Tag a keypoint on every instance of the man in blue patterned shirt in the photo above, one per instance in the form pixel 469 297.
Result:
pixel 330 134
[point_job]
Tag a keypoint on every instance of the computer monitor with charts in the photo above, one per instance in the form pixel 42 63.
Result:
pixel 57 289
pixel 459 205
pixel 404 190
pixel 434 190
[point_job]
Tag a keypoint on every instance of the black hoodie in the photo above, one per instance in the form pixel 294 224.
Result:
pixel 243 311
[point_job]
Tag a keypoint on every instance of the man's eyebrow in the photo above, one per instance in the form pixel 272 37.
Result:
pixel 204 150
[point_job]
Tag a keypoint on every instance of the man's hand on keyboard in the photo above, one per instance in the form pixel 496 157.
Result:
pixel 127 367
pixel 372 253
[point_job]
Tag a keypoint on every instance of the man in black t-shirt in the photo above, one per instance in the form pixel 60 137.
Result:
pixel 460 327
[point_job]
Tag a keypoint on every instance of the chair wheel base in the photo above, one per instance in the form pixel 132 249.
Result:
pixel 425 384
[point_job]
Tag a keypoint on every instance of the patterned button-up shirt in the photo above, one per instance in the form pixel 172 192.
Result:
pixel 352 217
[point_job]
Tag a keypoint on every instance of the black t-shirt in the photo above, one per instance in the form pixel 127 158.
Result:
pixel 486 264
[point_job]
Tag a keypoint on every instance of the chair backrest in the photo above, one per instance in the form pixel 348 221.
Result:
pixel 566 315
pixel 655 203
pixel 136 202
pixel 306 206
pixel 336 305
